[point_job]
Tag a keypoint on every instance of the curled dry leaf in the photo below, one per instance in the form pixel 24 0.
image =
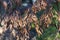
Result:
pixel 34 18
pixel 25 31
pixel 10 26
pixel 29 19
pixel 1 30
pixel 17 37
pixel 43 5
pixel 34 9
pixel 24 24
pixel 4 27
pixel 14 32
pixel 15 24
pixel 3 22
pixel 17 12
pixel 25 17
pixel 38 31
pixel 5 4
pixel 47 20
pixel 37 6
pixel 20 23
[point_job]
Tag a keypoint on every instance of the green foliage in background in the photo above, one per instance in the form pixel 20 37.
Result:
pixel 54 18
pixel 55 7
pixel 48 34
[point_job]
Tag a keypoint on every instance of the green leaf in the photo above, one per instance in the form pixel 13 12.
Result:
pixel 54 6
pixel 32 25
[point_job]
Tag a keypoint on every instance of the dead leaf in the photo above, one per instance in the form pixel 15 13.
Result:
pixel 5 4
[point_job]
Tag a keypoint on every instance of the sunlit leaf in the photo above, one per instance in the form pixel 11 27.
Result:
pixel 32 25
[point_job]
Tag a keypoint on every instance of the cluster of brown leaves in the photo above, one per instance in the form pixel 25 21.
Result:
pixel 22 22
pixel 21 25
pixel 39 5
